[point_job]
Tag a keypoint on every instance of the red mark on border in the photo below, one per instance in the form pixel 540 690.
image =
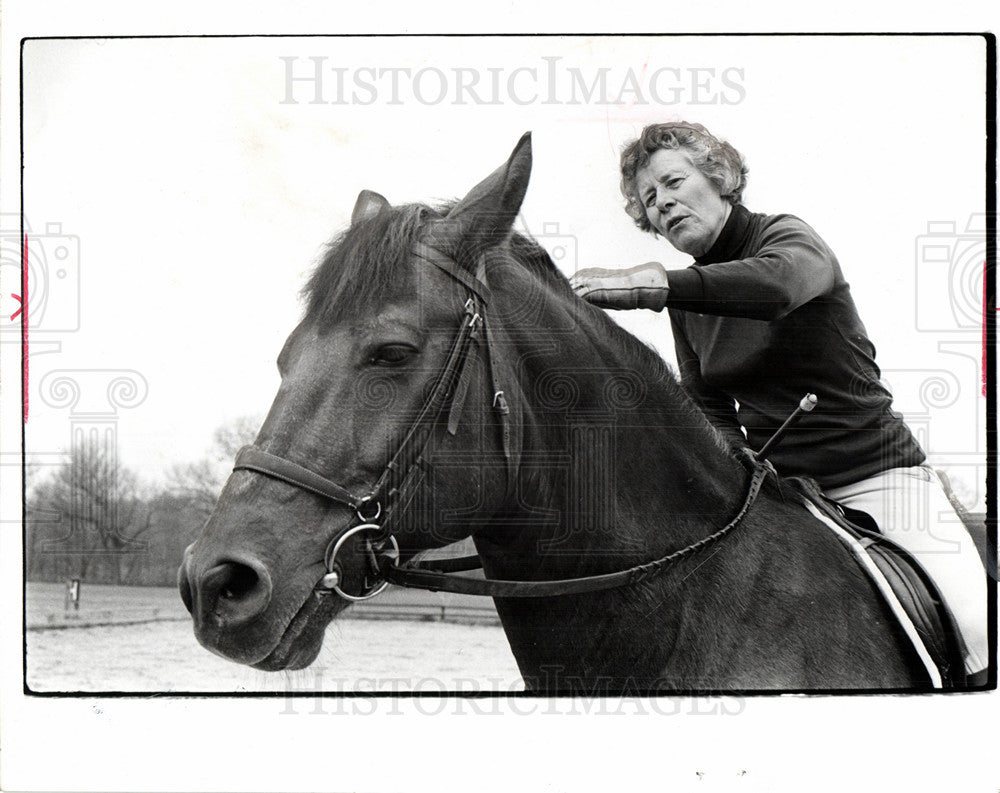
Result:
pixel 24 331
pixel 988 301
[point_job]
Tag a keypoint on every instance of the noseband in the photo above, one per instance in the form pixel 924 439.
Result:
pixel 395 487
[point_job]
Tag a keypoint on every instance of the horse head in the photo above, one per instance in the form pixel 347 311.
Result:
pixel 370 392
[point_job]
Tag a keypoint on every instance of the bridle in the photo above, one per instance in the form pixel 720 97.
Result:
pixel 398 482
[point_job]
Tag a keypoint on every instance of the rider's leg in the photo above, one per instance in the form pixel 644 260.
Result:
pixel 912 509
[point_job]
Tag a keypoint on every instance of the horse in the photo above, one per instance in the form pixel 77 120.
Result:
pixel 562 445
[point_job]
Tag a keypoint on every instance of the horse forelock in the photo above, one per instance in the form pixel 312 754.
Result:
pixel 367 264
pixel 370 262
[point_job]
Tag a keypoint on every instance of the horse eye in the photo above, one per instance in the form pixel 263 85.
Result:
pixel 392 354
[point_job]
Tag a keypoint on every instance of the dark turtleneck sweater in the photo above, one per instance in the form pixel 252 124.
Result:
pixel 764 318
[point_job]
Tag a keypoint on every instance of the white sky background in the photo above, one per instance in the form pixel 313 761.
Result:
pixel 201 201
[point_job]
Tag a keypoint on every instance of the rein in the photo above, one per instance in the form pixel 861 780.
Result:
pixel 439 581
pixel 395 486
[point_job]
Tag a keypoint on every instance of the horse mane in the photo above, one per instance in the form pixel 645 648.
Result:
pixel 370 262
pixel 630 351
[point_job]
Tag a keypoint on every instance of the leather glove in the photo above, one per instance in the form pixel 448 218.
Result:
pixel 644 286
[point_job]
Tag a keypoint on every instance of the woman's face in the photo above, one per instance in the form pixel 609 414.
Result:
pixel 681 203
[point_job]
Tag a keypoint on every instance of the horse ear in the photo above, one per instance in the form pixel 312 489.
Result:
pixel 488 211
pixel 368 205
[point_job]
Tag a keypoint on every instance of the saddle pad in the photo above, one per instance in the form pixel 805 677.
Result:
pixel 909 591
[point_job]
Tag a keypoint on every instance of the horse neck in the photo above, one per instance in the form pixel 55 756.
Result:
pixel 614 451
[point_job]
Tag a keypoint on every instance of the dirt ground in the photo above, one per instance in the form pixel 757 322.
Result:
pixel 161 655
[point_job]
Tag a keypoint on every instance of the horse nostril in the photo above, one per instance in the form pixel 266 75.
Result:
pixel 242 580
pixel 233 593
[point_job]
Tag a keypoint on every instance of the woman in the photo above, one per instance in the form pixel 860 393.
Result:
pixel 763 316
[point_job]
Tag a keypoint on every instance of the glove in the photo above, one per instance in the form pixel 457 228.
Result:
pixel 644 286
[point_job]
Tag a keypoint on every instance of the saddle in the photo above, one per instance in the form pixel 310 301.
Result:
pixel 917 598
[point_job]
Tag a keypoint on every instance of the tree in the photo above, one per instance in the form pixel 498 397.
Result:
pixel 233 436
pixel 91 519
pixel 199 484
pixel 87 517
pixel 196 486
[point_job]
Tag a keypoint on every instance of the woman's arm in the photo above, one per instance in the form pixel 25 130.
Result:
pixel 642 286
pixel 792 265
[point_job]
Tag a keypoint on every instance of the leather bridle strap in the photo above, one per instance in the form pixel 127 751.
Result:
pixel 405 463
pixel 436 581
pixel 444 262
pixel 404 468
pixel 501 404
pixel 251 458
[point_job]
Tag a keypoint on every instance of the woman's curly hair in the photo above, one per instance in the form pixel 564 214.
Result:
pixel 719 162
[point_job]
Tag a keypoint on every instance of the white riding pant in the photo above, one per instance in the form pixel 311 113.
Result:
pixel 912 509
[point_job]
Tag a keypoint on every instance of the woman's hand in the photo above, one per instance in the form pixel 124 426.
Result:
pixel 644 286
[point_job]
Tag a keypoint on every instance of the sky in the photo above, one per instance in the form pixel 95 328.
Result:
pixel 179 191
